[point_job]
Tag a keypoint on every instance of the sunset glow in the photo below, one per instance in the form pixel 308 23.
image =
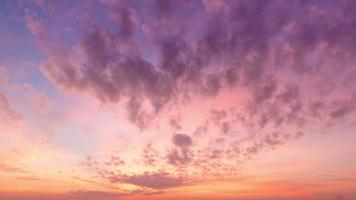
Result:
pixel 177 100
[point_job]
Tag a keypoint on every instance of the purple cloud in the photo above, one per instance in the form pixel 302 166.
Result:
pixel 179 157
pixel 294 59
pixel 182 140
pixel 159 180
pixel 254 42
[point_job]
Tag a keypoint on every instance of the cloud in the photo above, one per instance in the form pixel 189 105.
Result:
pixel 343 107
pixel 7 113
pixel 174 123
pixel 182 140
pixel 127 19
pixel 5 168
pixel 218 115
pixel 236 37
pixel 178 157
pixel 150 155
pixel 181 155
pixel 159 180
pixel 115 161
pixel 201 130
pixel 156 179
pixel 294 60
pixel 35 26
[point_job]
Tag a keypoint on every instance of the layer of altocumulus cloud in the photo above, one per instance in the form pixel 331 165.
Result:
pixel 295 59
pixel 280 51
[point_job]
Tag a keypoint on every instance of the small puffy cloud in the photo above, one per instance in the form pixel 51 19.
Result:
pixel 179 157
pixel 182 140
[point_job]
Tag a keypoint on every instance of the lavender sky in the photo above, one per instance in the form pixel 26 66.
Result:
pixel 177 99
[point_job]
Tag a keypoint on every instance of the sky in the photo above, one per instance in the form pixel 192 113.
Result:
pixel 177 99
